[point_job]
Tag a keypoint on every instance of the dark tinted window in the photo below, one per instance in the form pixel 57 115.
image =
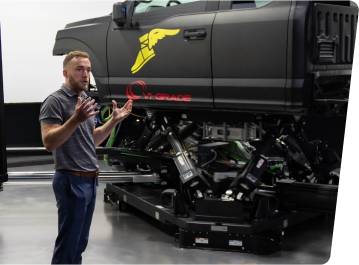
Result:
pixel 159 4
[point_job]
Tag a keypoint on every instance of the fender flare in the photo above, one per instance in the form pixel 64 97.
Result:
pixel 67 45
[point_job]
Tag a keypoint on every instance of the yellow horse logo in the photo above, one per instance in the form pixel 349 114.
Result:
pixel 147 42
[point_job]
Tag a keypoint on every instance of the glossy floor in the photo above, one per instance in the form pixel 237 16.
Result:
pixel 28 228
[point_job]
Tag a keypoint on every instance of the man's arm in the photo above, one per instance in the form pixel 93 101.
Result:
pixel 54 135
pixel 101 133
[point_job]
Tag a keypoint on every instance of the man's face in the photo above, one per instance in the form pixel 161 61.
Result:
pixel 78 74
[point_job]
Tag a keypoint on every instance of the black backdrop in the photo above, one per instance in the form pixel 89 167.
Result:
pixel 22 125
pixel 23 128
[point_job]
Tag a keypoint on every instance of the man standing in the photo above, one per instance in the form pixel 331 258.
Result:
pixel 67 128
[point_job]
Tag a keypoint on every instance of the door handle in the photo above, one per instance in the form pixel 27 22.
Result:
pixel 194 34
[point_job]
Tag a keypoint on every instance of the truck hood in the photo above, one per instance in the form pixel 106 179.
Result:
pixel 80 23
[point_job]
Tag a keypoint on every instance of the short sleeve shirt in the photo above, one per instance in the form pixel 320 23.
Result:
pixel 77 153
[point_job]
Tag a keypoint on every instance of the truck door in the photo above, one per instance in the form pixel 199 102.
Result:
pixel 164 60
pixel 249 55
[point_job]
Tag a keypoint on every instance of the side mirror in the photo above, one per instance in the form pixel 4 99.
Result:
pixel 122 13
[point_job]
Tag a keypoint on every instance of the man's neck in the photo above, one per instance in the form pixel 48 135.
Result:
pixel 79 93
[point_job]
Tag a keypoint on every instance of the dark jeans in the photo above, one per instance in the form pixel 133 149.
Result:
pixel 75 197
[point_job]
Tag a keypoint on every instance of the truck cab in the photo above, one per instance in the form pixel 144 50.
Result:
pixel 291 57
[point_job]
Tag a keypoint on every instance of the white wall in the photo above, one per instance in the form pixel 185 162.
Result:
pixel 28 31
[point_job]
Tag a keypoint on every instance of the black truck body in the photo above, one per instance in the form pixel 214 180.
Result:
pixel 267 58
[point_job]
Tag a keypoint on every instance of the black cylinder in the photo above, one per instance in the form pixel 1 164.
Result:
pixel 3 160
pixel 307 196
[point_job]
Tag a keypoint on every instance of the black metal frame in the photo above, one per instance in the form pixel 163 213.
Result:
pixel 262 235
pixel 249 236
pixel 237 223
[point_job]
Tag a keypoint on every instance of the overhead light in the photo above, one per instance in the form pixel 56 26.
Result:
pixel 137 120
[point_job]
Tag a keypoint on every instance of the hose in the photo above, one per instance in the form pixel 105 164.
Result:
pixel 103 113
pixel 109 143
pixel 138 115
pixel 113 134
pixel 214 158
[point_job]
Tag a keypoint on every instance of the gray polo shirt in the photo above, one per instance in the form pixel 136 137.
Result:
pixel 78 152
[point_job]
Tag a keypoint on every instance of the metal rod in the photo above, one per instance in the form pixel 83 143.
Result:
pixel 204 130
pixel 224 131
pixel 104 176
pixel 102 173
pixel 245 129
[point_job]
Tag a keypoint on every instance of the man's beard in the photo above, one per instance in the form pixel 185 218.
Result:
pixel 75 85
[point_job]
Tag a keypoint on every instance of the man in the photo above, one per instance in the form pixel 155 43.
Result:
pixel 67 128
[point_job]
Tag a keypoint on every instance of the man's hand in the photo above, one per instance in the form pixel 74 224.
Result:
pixel 122 113
pixel 84 110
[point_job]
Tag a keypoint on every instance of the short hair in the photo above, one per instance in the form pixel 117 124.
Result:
pixel 74 54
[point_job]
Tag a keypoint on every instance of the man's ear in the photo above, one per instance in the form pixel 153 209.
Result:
pixel 64 72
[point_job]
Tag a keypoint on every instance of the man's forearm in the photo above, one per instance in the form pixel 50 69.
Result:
pixel 57 136
pixel 101 133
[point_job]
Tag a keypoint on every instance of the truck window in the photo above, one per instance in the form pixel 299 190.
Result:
pixel 249 4
pixel 159 4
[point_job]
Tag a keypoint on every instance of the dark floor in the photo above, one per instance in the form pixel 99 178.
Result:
pixel 28 228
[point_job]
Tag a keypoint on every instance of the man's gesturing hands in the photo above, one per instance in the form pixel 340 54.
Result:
pixel 84 110
pixel 120 114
